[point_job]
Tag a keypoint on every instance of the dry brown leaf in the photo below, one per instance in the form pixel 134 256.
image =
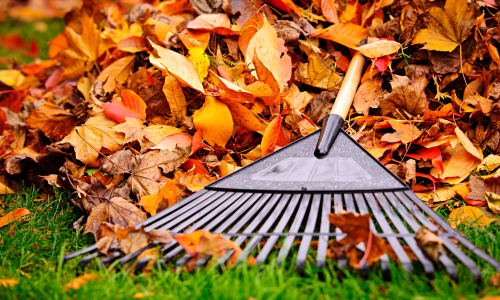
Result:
pixel 368 95
pixel 52 119
pixel 406 94
pixel 429 242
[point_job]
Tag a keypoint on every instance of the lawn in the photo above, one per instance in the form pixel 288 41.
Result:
pixel 29 252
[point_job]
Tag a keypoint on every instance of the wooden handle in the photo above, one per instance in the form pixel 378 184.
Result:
pixel 349 86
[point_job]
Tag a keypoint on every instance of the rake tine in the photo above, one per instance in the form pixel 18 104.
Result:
pixel 87 259
pixel 386 228
pixel 203 194
pixel 251 227
pixel 384 259
pixel 187 211
pixel 445 260
pixel 480 253
pixel 75 254
pixel 264 252
pixel 339 205
pixel 311 224
pixel 325 228
pixel 427 264
pixel 265 227
pixel 287 244
pixel 453 249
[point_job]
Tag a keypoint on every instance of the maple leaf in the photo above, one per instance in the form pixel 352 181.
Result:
pixel 215 121
pixel 448 27
pixel 406 94
pixel 116 211
pixel 117 72
pixel 51 119
pixel 130 105
pixel 83 49
pixel 89 138
pixel 135 130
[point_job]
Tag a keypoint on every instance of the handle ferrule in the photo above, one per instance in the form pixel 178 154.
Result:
pixel 332 124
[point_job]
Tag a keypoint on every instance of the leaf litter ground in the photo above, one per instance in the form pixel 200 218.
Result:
pixel 140 106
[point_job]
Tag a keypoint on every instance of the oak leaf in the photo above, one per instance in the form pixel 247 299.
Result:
pixel 448 27
pixel 130 105
pixel 115 211
pixel 89 138
pixel 215 120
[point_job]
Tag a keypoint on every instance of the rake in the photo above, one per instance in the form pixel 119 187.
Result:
pixel 288 195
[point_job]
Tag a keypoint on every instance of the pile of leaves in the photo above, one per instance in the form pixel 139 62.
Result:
pixel 140 106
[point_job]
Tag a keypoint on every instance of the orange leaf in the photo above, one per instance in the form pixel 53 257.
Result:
pixel 274 136
pixel 130 105
pixel 404 132
pixel 166 197
pixel 196 164
pixel 347 34
pixel 14 215
pixel 215 120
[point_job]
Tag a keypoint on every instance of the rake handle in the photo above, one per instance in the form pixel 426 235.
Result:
pixel 333 123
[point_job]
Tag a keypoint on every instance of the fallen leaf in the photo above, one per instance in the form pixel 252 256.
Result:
pixel 493 202
pixel 215 121
pixel 347 34
pixel 480 186
pixel 379 48
pixel 274 136
pixel 368 95
pixel 89 138
pixel 458 164
pixel 130 105
pixel 429 242
pixel 468 215
pixel 196 181
pixel 468 144
pixel 448 27
pixel 406 94
pixel 175 96
pixel 51 119
pixel 405 132
pixel 117 72
pixel 166 197
pixel 79 281
pixel 8 282
pixel 16 214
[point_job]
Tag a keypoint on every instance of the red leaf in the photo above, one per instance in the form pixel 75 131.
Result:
pixel 198 166
pixel 434 154
pixel 382 62
pixel 54 79
pixel 197 142
pixel 130 105
pixel 476 203
pixel 14 42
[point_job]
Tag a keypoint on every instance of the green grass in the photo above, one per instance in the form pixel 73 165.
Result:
pixel 31 31
pixel 35 246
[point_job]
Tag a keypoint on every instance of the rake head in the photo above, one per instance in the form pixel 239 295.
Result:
pixel 288 195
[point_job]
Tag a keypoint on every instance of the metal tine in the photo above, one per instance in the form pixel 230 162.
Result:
pixel 145 223
pixel 262 199
pixel 273 218
pixel 87 259
pixel 427 264
pixel 386 228
pixel 287 244
pixel 407 201
pixel 243 209
pixel 250 228
pixel 350 207
pixel 445 260
pixel 203 194
pixel 324 228
pixel 268 247
pixel 310 225
pixel 363 209
pixel 209 212
pixel 464 241
pixel 214 208
pixel 339 205
pixel 186 211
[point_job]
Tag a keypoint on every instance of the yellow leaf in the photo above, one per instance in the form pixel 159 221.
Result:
pixel 175 97
pixel 135 130
pixel 379 48
pixel 117 72
pixel 4 189
pixel 12 78
pixel 215 120
pixel 467 215
pixel 490 163
pixel 347 34
pixel 493 202
pixel 90 137
pixel 79 281
pixel 8 282
pixel 448 27
pixel 200 61
pixel 143 294
pixel 296 99
pixel 468 144
pixel 178 65
pixel 84 85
